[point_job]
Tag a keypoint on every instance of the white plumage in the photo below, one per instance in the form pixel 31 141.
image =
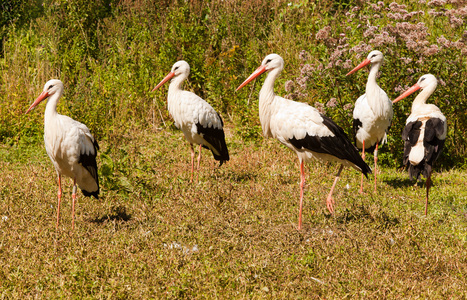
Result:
pixel 302 129
pixel 70 145
pixel 198 121
pixel 373 111
pixel 424 133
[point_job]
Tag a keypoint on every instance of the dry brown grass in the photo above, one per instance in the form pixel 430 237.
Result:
pixel 230 235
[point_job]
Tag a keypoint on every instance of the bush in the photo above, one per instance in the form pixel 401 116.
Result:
pixel 110 54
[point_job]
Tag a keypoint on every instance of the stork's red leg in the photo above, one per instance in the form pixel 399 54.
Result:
pixel 59 198
pixel 199 155
pixel 73 197
pixel 329 200
pixel 363 157
pixel 199 160
pixel 376 159
pixel 302 186
pixel 192 161
pixel 428 185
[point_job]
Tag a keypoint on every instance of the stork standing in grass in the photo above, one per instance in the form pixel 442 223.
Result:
pixel 303 129
pixel 70 145
pixel 424 132
pixel 199 122
pixel 373 112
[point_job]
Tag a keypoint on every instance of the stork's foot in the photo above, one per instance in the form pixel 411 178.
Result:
pixel 361 192
pixel 330 204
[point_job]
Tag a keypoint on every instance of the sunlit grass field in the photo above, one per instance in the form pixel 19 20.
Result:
pixel 230 234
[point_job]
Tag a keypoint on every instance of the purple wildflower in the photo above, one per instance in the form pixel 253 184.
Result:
pixel 332 102
pixel 320 107
pixel 289 86
pixel 348 106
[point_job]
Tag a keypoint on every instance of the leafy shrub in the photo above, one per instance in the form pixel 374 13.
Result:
pixel 110 54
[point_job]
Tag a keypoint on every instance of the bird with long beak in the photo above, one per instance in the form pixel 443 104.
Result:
pixel 373 112
pixel 424 133
pixel 302 129
pixel 199 122
pixel 70 146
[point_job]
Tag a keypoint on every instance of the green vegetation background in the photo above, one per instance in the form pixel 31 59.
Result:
pixel 110 54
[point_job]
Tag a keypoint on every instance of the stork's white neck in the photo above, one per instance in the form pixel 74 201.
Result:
pixel 174 88
pixel 177 82
pixel 266 100
pixel 266 95
pixel 51 107
pixel 373 91
pixel 372 88
pixel 373 72
pixel 423 96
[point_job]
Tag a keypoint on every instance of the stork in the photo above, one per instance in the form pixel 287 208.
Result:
pixel 424 132
pixel 70 145
pixel 303 129
pixel 199 122
pixel 373 112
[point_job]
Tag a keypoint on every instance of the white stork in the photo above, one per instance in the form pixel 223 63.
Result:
pixel 373 112
pixel 200 123
pixel 303 129
pixel 70 145
pixel 424 132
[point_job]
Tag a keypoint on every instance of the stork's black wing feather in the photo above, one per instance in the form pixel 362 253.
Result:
pixel 215 139
pixel 88 161
pixel 338 145
pixel 410 136
pixel 434 128
pixel 433 146
pixel 356 126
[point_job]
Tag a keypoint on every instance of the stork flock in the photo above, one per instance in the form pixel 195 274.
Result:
pixel 302 128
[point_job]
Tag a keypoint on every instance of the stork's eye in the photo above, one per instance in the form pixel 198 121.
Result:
pixel 373 55
pixel 268 61
pixel 421 79
pixel 50 86
pixel 176 68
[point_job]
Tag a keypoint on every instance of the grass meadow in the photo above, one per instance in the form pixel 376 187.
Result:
pixel 230 234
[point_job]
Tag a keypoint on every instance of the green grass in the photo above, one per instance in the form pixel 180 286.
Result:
pixel 232 234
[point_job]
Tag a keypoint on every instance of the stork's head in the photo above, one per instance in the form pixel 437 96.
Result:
pixel 374 57
pixel 51 87
pixel 180 68
pixel 273 61
pixel 270 62
pixel 425 81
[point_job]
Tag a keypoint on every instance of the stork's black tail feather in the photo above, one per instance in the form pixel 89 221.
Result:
pixel 95 194
pixel 215 138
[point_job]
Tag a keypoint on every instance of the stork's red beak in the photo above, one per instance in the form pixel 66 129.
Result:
pixel 167 78
pixel 413 89
pixel 39 99
pixel 361 65
pixel 260 70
